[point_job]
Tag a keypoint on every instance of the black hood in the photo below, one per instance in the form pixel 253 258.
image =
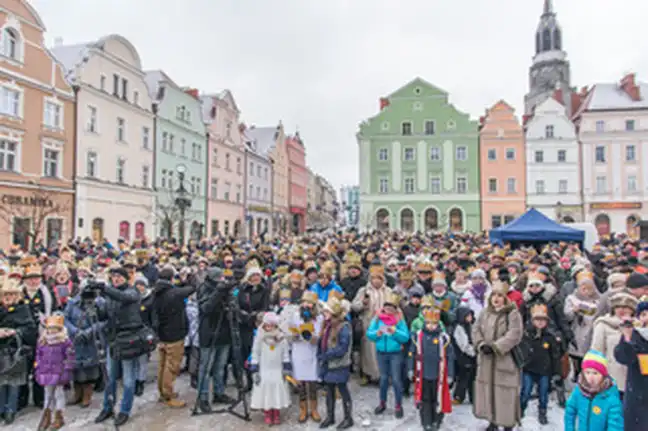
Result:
pixel 162 286
pixel 462 313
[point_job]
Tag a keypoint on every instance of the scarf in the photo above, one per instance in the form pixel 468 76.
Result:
pixel 327 332
pixel 388 319
pixel 55 338
pixel 591 391
pixel 479 292
pixel 272 338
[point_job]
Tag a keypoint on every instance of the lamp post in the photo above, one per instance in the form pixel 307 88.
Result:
pixel 182 200
pixel 559 208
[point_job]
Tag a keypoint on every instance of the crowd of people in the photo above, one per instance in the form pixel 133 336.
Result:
pixel 444 319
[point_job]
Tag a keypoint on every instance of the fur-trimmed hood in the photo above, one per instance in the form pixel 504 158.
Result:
pixel 547 294
pixel 609 320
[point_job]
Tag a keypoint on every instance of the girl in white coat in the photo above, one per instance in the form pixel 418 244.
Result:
pixel 270 363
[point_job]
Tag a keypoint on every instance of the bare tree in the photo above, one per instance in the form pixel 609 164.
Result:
pixel 36 208
pixel 167 214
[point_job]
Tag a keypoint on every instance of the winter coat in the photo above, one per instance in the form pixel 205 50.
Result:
pixel 324 291
pixel 211 314
pixel 270 356
pixel 55 362
pixel 470 300
pixel 90 324
pixel 635 399
pixel 151 273
pixel 41 304
pixel 497 386
pixel 253 301
pixel 579 312
pixel 17 317
pixel 170 310
pixel 464 348
pixel 515 297
pixel 366 314
pixel 428 348
pixel 388 343
pixel 146 308
pixel 334 353
pixel 542 351
pixel 447 303
pixel 123 310
pixel 603 412
pixel 350 286
pixel 606 336
pixel 549 297
pixel 411 312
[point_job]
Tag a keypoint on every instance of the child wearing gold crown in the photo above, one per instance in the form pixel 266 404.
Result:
pixel 431 368
pixel 53 369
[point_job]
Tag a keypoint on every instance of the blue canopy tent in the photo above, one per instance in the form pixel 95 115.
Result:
pixel 533 226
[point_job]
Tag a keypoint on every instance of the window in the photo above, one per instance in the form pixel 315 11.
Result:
pixel 632 184
pixel 265 174
pixel 171 140
pixel 121 129
pixel 145 176
pixel 492 185
pixel 238 165
pixel 496 221
pixel 215 156
pixel 8 155
pixel 462 185
pixel 170 179
pixel 601 184
pixel 146 138
pixel 562 156
pixel 539 156
pixel 121 164
pixel 21 229
pixel 383 155
pixel 125 89
pixel 409 185
pixel 429 127
pixel 52 115
pixel 183 149
pixel 192 183
pixel 198 153
pixel 258 192
pixel 238 193
pixel 50 163
pixel 492 154
pixel 251 169
pixel 510 154
pixel 136 97
pixel 600 126
pixel 259 171
pixel 562 186
pixel 631 155
pixel 53 231
pixel 115 85
pixel 549 131
pixel 250 191
pixel 383 185
pixel 226 195
pixel 102 83
pixel 435 185
pixel 406 128
pixel 10 102
pixel 163 182
pixel 510 185
pixel 91 164
pixel 409 154
pixel 508 219
pixel 11 43
pixel 540 187
pixel 462 154
pixel 165 141
pixel 214 188
pixel 630 125
pixel 435 154
pixel 265 194
pixel 600 154
pixel 92 120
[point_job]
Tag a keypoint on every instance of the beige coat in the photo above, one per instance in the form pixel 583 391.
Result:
pixel 377 297
pixel 606 336
pixel 580 313
pixel 497 386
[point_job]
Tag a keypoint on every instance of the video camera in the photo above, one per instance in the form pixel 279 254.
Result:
pixel 92 289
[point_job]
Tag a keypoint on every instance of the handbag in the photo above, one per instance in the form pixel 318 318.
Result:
pixel 18 362
pixel 131 344
pixel 519 358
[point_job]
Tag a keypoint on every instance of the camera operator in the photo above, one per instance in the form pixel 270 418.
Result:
pixel 172 327
pixel 215 341
pixel 85 318
pixel 124 320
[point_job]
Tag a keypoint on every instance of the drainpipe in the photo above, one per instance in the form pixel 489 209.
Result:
pixel 154 197
pixel 207 185
pixel 272 203
pixel 75 133
pixel 290 216
pixel 244 226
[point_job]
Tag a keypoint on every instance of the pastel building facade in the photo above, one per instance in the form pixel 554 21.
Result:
pixel 226 173
pixel 36 134
pixel 298 183
pixel 553 163
pixel 115 142
pixel 350 204
pixel 502 166
pixel 258 198
pixel 613 131
pixel 180 140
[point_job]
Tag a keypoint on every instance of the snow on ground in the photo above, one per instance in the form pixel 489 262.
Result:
pixel 148 414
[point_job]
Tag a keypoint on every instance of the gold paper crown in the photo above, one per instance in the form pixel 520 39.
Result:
pixel 535 275
pixel 425 266
pixel 310 297
pixel 11 285
pixel 439 277
pixel 406 275
pixel 309 264
pixel 296 275
pixel 499 253
pixel 393 299
pixel 252 263
pixel 337 307
pixel 336 294
pixel 61 267
pixel 285 294
pixel 15 272
pixel 55 321
pixel 227 273
pixel 282 270
pixel 377 270
pixel 328 268
pixel 539 311
pixel 32 271
pixel 584 275
pixel 129 260
pixel 142 253
pixel 27 260
pixel 432 314
pixel 427 301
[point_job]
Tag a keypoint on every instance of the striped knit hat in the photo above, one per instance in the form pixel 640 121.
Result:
pixel 596 361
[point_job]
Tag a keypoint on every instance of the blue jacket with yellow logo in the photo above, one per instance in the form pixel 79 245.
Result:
pixel 388 343
pixel 602 412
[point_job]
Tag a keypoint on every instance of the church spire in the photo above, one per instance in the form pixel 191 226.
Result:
pixel 548 7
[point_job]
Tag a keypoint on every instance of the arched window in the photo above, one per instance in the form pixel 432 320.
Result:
pixel 124 230
pixel 226 228
pixel 407 220
pixel 431 219
pixel 139 230
pixel 382 219
pixel 98 230
pixel 456 220
pixel 259 226
pixel 546 40
pixel 237 228
pixel 11 43
pixel 557 39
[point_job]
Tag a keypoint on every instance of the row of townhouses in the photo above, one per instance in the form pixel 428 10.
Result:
pixel 576 155
pixel 93 146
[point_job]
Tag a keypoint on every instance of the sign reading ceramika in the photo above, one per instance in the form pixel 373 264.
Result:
pixel 28 201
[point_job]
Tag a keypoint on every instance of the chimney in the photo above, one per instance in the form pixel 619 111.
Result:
pixel 58 41
pixel 384 102
pixel 193 92
pixel 630 87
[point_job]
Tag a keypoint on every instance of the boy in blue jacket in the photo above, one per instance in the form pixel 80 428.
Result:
pixel 594 404
pixel 389 331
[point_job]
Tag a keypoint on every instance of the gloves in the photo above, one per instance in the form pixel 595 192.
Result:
pixel 486 349
pixel 257 379
pixel 82 336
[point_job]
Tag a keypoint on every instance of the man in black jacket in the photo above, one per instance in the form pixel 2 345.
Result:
pixel 170 323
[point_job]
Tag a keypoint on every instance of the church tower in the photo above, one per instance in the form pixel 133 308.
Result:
pixel 550 69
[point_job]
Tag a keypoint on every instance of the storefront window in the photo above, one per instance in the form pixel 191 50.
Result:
pixel 124 230
pixel 215 229
pixel 53 231
pixel 226 228
pixel 139 230
pixel 195 230
pixel 98 230
pixel 21 228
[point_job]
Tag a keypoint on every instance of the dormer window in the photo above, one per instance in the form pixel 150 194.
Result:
pixel 11 43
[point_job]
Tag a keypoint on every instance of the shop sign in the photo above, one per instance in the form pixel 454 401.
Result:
pixel 27 201
pixel 616 206
pixel 258 209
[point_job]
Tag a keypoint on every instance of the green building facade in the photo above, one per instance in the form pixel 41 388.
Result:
pixel 419 164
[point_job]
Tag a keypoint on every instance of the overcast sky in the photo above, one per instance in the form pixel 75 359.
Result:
pixel 321 65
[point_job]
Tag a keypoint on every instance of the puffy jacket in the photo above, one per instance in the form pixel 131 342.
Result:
pixel 323 291
pixel 169 304
pixel 388 343
pixel 123 309
pixel 601 413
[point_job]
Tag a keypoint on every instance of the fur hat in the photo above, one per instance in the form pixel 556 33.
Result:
pixel 271 318
pixel 623 299
pixel 616 277
pixel 310 297
pixel 478 273
pixel 252 271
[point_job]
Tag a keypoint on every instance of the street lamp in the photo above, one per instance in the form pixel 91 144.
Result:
pixel 182 200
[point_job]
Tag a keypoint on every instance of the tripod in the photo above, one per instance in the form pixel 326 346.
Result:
pixel 232 315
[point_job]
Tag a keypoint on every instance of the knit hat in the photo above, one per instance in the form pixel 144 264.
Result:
pixel 270 318
pixel 140 279
pixel 596 361
pixel 478 273
pixel 119 270
pixel 637 281
pixel 252 271
pixel 643 305
pixel 416 291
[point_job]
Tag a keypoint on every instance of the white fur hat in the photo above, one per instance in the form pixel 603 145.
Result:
pixel 254 270
pixel 270 318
